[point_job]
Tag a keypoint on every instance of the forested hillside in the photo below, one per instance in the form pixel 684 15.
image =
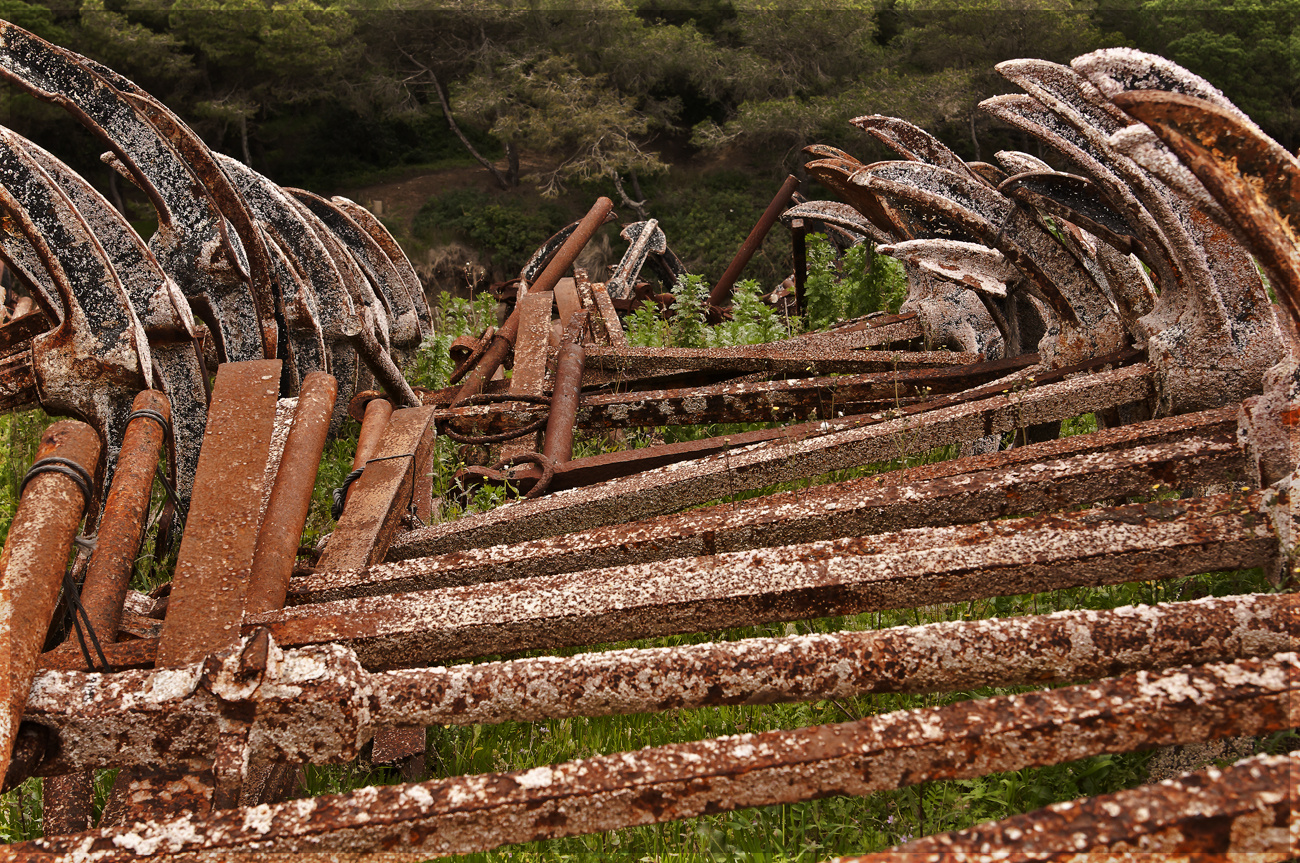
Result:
pixel 604 97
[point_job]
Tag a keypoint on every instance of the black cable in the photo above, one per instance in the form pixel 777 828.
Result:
pixel 536 425
pixel 77 613
pixel 151 414
pixel 67 467
pixel 341 493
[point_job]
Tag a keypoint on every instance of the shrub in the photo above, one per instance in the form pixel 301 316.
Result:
pixel 851 285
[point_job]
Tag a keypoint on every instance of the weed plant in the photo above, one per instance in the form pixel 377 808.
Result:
pixel 808 831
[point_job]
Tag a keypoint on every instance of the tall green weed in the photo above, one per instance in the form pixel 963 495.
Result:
pixel 843 287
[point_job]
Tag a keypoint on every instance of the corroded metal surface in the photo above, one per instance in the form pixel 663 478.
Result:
pixel 794 582
pixel 383 492
pixel 144 716
pixel 215 560
pixel 290 496
pixel 126 510
pixel 671 488
pixel 32 564
pixel 1246 811
pixel 1032 483
pixel 959 740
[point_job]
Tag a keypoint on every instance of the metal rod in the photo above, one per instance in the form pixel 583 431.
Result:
pixel 34 559
pixel 290 501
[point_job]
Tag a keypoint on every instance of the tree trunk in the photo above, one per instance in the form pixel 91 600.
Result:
pixel 637 206
pixel 446 112
pixel 512 163
pixel 243 139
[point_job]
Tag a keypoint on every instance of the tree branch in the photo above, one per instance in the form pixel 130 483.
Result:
pixel 446 112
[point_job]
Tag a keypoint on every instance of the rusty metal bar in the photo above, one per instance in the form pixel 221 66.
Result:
pixel 504 339
pixel 850 508
pixel 609 317
pixel 126 510
pixel 804 358
pixel 139 717
pixel 382 493
pixel 1243 812
pixel 720 296
pixel 35 556
pixel 558 443
pixel 674 487
pixel 1109 545
pixel 966 739
pixel 215 560
pixel 290 500
pixel 799 246
pixel 529 374
pixel 751 401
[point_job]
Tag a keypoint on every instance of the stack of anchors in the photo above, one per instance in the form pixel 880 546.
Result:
pixel 254 671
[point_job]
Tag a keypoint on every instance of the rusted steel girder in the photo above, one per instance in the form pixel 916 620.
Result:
pixel 846 576
pixel 56 493
pixel 211 581
pixel 749 401
pixel 290 497
pixel 1244 812
pixel 382 494
pixel 850 508
pixel 970 738
pixel 785 358
pixel 672 488
pixel 142 717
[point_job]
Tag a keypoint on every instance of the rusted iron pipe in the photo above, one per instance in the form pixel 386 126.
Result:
pixel 720 296
pixel 558 445
pixel 373 424
pixel 34 558
pixel 504 339
pixel 666 783
pixel 125 512
pixel 290 501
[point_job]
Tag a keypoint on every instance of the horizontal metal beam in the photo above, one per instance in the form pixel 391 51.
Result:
pixel 1029 480
pixel 666 783
pixel 1163 539
pixel 1246 812
pixel 147 717
pixel 677 486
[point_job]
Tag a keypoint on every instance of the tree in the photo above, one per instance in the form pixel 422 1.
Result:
pixel 544 103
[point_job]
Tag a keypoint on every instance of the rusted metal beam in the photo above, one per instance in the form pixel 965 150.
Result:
pixel 1026 484
pixel 1246 811
pixel 382 494
pixel 805 358
pixel 966 739
pixel 1110 545
pixel 783 459
pixel 290 498
pixel 57 491
pixel 751 401
pixel 720 296
pixel 213 566
pixel 140 717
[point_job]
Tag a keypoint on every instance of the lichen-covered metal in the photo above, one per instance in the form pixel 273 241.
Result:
pixel 968 738
pixel 1243 812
